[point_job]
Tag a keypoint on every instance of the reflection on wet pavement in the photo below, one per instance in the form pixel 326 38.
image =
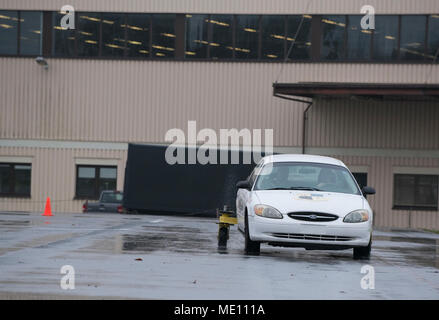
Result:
pixel 171 257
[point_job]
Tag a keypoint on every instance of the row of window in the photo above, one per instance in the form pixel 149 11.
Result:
pixel 411 191
pixel 15 180
pixel 240 37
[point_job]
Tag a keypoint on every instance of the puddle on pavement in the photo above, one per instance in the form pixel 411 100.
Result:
pixel 424 253
pixel 148 242
pixel 14 223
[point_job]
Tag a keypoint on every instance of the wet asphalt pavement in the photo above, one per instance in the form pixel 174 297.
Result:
pixel 174 257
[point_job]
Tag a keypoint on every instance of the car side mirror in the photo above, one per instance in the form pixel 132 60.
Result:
pixel 368 190
pixel 244 184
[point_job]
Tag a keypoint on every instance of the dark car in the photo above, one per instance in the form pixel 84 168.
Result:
pixel 109 201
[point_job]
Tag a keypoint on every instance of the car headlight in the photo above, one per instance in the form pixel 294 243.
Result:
pixel 267 212
pixel 357 216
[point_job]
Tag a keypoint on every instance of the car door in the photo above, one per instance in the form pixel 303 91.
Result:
pixel 243 196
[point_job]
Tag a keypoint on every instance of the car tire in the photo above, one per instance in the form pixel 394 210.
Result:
pixel 363 253
pixel 251 247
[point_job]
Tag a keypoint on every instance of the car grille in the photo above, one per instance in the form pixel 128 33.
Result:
pixel 313 216
pixel 316 237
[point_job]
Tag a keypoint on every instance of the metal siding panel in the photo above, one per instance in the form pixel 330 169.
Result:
pixel 232 6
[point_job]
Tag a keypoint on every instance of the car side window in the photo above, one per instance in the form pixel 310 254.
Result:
pixel 254 173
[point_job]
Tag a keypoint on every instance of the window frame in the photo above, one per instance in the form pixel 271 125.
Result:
pixel 48 35
pixel 414 206
pixel 12 170
pixel 97 178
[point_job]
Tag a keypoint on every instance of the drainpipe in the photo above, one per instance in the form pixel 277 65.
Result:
pixel 305 118
pixel 305 113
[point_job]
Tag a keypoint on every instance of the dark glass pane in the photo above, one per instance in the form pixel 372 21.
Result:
pixel 426 191
pixel 196 36
pixel 138 35
pixel 5 178
pixel 111 197
pixel 412 37
pixel 22 179
pixel 86 182
pixel 385 38
pixel 8 32
pixel 333 37
pixel 108 173
pixel 113 34
pixel 30 32
pixel 107 179
pixel 247 37
pixel 63 39
pixel 404 190
pixel 433 37
pixel 273 37
pixel 359 40
pixel 88 27
pixel 221 46
pixel 163 35
pixel 361 178
pixel 302 46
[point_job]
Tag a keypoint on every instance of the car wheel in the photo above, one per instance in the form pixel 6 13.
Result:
pixel 251 247
pixel 363 253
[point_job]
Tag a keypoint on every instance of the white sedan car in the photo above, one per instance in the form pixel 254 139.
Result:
pixel 305 201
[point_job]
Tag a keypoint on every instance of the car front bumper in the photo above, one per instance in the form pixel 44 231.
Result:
pixel 287 231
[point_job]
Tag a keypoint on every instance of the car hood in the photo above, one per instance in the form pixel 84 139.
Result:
pixel 313 201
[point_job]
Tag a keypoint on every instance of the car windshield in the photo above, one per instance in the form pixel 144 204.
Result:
pixel 306 176
pixel 112 197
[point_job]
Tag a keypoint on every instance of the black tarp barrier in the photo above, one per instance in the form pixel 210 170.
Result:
pixel 153 185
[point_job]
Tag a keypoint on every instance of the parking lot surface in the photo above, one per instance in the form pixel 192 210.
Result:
pixel 175 257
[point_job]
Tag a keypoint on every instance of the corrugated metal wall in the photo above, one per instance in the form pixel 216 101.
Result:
pixel 53 175
pixel 139 101
pixel 370 124
pixel 232 6
pixel 380 176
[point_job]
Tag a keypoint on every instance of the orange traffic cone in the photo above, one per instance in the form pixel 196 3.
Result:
pixel 48 209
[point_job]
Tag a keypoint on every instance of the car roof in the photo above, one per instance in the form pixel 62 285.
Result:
pixel 303 158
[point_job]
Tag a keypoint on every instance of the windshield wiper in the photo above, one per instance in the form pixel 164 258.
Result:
pixel 305 188
pixel 295 188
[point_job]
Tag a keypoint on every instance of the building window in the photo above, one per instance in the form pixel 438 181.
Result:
pixel 414 191
pixel 30 32
pixel 433 38
pixel 163 35
pixel 221 45
pixel 88 33
pixel 247 37
pixel 92 180
pixel 358 40
pixel 385 38
pixel 273 37
pixel 333 37
pixel 113 35
pixel 15 179
pixel 302 45
pixel 8 32
pixel 197 40
pixel 412 37
pixel 138 35
pixel 63 44
pixel 28 42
